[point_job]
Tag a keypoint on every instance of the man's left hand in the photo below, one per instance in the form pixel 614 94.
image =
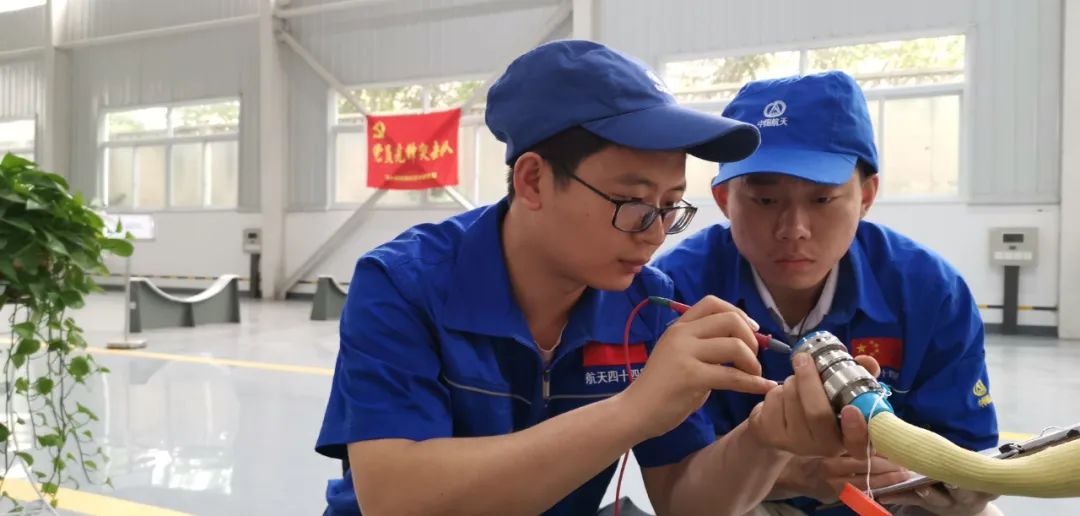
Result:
pixel 938 499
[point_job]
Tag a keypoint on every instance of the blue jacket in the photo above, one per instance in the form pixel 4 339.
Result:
pixel 895 300
pixel 433 345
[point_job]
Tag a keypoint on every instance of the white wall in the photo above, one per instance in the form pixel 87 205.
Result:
pixel 22 29
pixel 191 244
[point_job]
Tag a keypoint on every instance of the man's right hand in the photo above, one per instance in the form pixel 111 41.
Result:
pixel 711 347
pixel 798 418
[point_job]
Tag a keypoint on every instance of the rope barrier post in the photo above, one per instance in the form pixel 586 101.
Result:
pixel 127 342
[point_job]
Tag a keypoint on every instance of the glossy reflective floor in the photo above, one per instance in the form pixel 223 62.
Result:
pixel 222 419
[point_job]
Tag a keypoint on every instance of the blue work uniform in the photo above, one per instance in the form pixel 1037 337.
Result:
pixel 894 300
pixel 434 345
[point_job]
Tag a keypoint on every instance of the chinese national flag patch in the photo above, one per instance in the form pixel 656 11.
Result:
pixel 889 352
pixel 598 354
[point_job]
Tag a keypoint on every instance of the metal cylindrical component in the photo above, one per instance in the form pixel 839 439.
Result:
pixel 844 379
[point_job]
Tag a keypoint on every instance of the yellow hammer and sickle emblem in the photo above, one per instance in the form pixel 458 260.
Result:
pixel 378 131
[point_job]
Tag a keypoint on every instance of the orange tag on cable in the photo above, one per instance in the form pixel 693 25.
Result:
pixel 863 505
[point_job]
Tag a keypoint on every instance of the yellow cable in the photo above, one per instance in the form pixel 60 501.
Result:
pixel 1050 473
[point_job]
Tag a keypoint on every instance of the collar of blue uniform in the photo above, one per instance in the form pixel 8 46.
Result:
pixel 481 301
pixel 857 288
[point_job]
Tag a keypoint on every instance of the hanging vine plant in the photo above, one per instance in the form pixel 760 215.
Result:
pixel 51 243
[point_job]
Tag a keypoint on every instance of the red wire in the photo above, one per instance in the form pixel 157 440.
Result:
pixel 630 375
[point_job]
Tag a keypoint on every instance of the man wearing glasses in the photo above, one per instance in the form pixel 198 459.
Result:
pixel 481 368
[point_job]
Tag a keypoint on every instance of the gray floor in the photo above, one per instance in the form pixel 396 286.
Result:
pixel 217 439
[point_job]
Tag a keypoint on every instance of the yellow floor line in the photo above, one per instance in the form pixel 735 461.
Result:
pixel 318 371
pixel 1013 436
pixel 87 503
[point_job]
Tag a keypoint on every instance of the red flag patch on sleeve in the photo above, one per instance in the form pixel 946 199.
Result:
pixel 598 354
pixel 889 352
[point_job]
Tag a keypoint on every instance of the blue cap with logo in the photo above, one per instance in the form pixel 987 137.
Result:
pixel 813 127
pixel 565 84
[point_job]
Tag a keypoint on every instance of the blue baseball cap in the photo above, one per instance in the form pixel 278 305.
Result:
pixel 571 83
pixel 813 127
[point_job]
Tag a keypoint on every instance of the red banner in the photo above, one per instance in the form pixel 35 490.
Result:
pixel 413 152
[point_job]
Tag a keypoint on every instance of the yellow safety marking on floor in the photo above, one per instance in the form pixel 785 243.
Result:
pixel 1013 436
pixel 285 368
pixel 87 503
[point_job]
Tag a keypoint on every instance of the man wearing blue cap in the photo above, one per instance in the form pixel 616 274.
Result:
pixel 798 257
pixel 482 368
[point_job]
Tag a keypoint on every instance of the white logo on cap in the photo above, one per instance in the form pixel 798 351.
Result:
pixel 775 109
pixel 657 82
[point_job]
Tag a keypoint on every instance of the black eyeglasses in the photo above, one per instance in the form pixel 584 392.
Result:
pixel 634 216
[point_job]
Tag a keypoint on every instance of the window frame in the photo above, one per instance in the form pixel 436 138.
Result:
pixel 961 89
pixel 32 150
pixel 469 121
pixel 168 142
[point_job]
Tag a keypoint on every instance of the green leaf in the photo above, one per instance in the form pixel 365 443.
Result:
pixel 19 223
pixel 118 246
pixel 43 385
pixel 28 347
pixel 26 457
pixel 7 268
pixel 72 299
pixel 49 440
pixel 91 465
pixel 24 329
pixel 88 434
pixel 49 488
pixel 79 367
pixel 89 413
pixel 4 432
pixel 18 360
pixel 55 245
pixel 40 475
pixel 22 385
pixel 58 345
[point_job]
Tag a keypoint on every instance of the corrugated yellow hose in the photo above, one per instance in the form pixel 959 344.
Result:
pixel 1050 473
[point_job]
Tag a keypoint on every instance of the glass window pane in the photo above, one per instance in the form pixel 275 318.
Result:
pixel 719 78
pixel 17 134
pixel 921 146
pixel 491 165
pixel 139 123
pixel 448 95
pixel 218 118
pixel 350 174
pixel 223 160
pixel 187 175
pixel 398 99
pixel 895 63
pixel 118 164
pixel 350 165
pixel 150 177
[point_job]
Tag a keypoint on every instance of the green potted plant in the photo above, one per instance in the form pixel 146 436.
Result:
pixel 51 243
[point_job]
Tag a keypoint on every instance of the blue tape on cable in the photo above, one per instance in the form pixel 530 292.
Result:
pixel 872 404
